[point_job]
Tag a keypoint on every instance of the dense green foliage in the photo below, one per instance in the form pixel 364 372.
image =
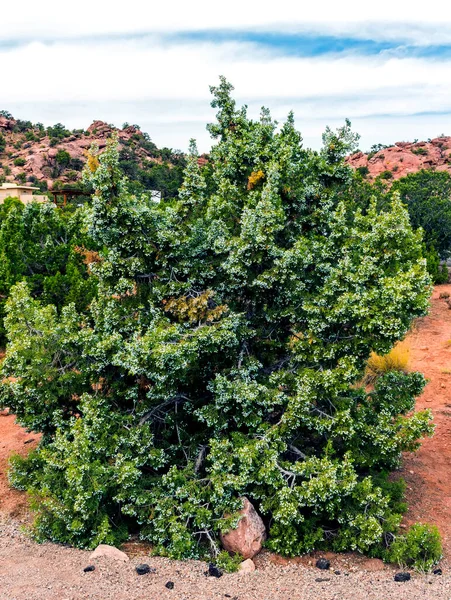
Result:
pixel 221 356
pixel 420 548
pixel 427 195
pixel 165 176
pixel 38 244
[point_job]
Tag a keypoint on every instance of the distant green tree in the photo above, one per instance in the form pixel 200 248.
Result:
pixel 38 244
pixel 427 195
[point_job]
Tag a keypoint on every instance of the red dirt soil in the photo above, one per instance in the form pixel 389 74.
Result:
pixel 427 472
pixel 13 440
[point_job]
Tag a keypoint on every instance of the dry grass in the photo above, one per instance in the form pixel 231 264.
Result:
pixel 396 360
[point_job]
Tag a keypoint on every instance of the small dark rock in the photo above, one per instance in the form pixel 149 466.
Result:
pixel 29 441
pixel 321 579
pixel 437 572
pixel 213 571
pixel 337 572
pixel 323 564
pixel 169 585
pixel 144 569
pixel 402 577
pixel 89 568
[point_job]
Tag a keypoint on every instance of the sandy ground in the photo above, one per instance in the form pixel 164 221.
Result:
pixel 48 572
pixel 29 571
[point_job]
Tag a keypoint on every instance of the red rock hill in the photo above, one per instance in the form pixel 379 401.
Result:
pixel 31 154
pixel 404 158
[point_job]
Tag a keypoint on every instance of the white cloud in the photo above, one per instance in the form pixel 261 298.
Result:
pixel 165 87
pixel 383 18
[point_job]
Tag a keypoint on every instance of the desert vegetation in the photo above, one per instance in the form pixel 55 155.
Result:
pixel 212 347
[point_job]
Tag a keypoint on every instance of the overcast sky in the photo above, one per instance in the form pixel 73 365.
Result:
pixel 385 65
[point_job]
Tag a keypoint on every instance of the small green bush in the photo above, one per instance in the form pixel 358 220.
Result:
pixel 420 548
pixel 364 171
pixel 227 562
pixel 420 151
pixel 386 175
pixel 438 272
pixel 19 162
pixel 62 158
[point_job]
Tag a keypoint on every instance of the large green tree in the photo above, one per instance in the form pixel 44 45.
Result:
pixel 222 355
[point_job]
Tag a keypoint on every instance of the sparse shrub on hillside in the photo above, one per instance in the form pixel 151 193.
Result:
pixel 420 548
pixel 62 158
pixel 58 131
pixel 2 143
pixel 19 162
pixel 364 171
pixel 220 355
pixel 22 126
pixel 420 151
pixel 21 177
pixel 386 175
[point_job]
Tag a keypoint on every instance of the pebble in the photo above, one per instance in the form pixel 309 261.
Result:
pixel 323 564
pixel 144 569
pixel 213 571
pixel 169 585
pixel 89 568
pixel 402 577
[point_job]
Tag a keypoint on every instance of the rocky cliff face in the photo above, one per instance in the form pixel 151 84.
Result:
pixel 33 154
pixel 403 158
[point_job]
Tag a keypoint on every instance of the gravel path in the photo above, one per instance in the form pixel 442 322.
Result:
pixel 30 571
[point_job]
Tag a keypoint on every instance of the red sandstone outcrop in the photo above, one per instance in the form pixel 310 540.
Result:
pixel 404 158
pixel 37 157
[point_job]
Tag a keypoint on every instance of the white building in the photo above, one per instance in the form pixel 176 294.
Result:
pixel 23 192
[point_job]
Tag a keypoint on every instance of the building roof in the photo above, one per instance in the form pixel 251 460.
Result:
pixel 14 186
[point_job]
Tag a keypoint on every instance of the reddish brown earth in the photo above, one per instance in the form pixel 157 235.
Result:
pixel 428 472
pixel 406 157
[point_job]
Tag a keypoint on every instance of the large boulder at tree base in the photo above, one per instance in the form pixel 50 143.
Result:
pixel 248 537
